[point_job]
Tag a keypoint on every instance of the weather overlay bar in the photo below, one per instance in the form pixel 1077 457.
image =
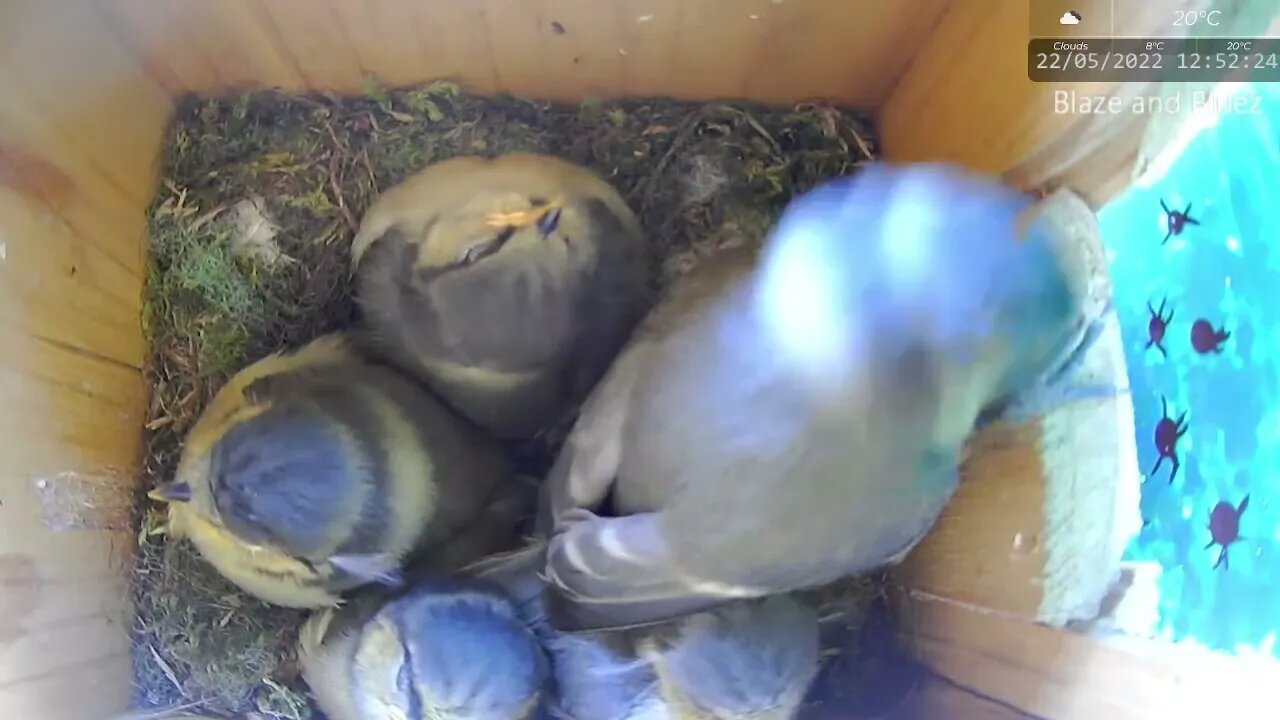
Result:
pixel 1154 59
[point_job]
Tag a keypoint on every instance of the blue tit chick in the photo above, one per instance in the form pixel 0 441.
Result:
pixel 746 659
pixel 508 284
pixel 751 659
pixel 447 649
pixel 787 418
pixel 598 676
pixel 316 471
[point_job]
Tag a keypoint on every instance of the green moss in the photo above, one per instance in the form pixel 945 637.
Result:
pixel 698 176
pixel 200 294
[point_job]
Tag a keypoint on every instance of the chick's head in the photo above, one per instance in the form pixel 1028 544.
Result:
pixel 748 659
pixel 455 655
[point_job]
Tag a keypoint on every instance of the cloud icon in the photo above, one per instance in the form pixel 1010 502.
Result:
pixel 1069 18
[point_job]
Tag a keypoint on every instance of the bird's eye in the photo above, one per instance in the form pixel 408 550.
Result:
pixel 548 223
pixel 484 248
pixel 473 252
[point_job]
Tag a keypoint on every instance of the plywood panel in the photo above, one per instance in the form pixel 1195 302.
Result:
pixel 387 42
pixel 71 431
pixel 311 34
pixel 64 544
pixel 87 85
pixel 455 40
pixel 153 30
pixel 938 698
pixel 71 693
pixel 967 98
pixel 770 50
pixel 237 38
pixel 38 161
pixel 458 45
pixel 859 46
pixel 718 45
pixel 1063 675
pixel 60 287
pixel 66 492
pixel 81 119
pixel 987 548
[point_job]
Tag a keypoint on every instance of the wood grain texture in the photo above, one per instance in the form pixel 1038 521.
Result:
pixel 986 549
pixel 312 35
pixel 63 289
pixel 81 119
pixel 152 30
pixel 388 43
pixel 59 64
pixel 1063 675
pixel 967 98
pixel 938 698
pixel 769 50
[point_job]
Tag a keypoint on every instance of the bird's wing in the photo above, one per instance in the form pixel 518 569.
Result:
pixel 614 573
pixel 607 572
pixel 585 469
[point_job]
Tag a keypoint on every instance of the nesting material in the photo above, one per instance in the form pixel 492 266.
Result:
pixel 1090 510
pixel 250 235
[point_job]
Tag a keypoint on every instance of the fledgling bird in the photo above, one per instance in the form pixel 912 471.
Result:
pixel 508 284
pixel 751 659
pixel 782 421
pixel 447 649
pixel 316 471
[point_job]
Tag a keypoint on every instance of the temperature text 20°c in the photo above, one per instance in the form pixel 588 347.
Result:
pixel 1187 18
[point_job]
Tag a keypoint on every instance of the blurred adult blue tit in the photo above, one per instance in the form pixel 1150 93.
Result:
pixel 508 284
pixel 447 649
pixel 1069 225
pixel 788 417
pixel 316 471
pixel 748 659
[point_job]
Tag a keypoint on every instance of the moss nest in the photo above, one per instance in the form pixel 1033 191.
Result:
pixel 250 230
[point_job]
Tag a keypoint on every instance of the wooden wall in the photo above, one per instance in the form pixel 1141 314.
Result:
pixel 80 125
pixel 1058 675
pixel 976 105
pixel 783 50
pixel 86 87
pixel 978 579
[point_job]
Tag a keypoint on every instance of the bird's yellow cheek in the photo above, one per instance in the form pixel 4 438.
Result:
pixel 263 572
pixel 378 661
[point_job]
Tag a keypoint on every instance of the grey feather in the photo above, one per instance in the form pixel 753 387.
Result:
pixel 745 660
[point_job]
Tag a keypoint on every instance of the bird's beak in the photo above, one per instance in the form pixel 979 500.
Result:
pixel 546 216
pixel 548 223
pixel 171 492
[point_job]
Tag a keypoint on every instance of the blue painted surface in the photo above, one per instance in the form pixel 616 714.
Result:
pixel 1225 270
